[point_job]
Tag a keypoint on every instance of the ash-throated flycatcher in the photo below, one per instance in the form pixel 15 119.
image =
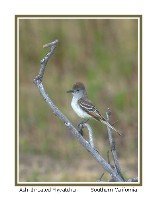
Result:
pixel 83 107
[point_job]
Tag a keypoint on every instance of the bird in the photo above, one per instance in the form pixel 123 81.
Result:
pixel 84 107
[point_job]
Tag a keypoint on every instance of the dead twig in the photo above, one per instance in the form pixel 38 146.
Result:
pixel 112 145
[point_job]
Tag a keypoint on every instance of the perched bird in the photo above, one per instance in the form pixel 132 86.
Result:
pixel 83 107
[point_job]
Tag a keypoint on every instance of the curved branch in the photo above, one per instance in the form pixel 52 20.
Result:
pixel 60 115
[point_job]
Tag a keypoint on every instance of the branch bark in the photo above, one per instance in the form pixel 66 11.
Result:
pixel 38 82
pixel 90 133
pixel 113 149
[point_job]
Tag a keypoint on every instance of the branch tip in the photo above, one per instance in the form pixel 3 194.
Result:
pixel 51 44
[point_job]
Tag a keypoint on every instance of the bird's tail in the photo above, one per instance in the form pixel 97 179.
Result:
pixel 110 126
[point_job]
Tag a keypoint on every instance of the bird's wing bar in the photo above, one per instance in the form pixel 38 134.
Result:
pixel 89 108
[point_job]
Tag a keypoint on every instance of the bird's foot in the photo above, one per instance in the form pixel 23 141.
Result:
pixel 81 126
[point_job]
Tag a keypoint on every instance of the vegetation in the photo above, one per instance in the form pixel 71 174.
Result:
pixel 102 53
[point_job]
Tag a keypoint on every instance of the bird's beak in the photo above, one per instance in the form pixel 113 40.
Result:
pixel 70 91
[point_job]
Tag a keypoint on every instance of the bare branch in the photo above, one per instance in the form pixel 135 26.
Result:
pixel 109 160
pixel 133 179
pixel 90 132
pixel 100 179
pixel 112 145
pixel 44 61
pixel 60 115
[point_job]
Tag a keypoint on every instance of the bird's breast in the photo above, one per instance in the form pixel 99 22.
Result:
pixel 78 110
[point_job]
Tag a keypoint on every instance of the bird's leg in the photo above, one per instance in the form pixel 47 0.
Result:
pixel 81 126
pixel 83 122
pixel 81 130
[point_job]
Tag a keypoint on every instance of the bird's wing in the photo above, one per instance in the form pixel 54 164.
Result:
pixel 89 108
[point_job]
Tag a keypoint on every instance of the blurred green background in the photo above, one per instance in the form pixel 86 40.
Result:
pixel 101 53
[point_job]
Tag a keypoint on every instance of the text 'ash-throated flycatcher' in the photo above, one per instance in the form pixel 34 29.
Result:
pixel 83 107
